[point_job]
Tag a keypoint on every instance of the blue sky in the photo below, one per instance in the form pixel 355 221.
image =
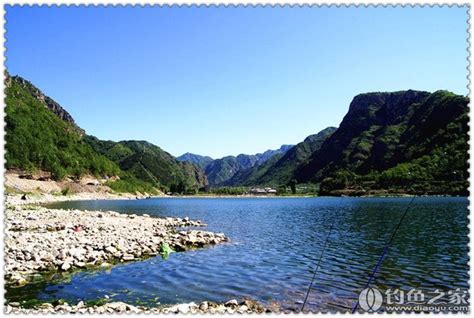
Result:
pixel 223 81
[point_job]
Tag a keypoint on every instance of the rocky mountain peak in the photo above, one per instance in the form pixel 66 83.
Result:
pixel 46 100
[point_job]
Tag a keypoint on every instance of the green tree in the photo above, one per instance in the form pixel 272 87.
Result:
pixel 293 186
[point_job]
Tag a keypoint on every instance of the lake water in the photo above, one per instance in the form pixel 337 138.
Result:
pixel 275 243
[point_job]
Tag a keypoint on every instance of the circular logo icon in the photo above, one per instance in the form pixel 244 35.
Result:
pixel 370 299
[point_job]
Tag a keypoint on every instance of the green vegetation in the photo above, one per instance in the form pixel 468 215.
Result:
pixel 231 170
pixel 280 168
pixel 400 142
pixel 221 170
pixel 10 190
pixel 130 184
pixel 200 161
pixel 37 139
pixel 147 165
pixel 295 189
pixel 65 191
pixel 229 190
pixel 41 135
pixel 412 142
pixel 96 302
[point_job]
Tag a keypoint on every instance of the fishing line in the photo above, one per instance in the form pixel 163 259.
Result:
pixel 385 251
pixel 319 261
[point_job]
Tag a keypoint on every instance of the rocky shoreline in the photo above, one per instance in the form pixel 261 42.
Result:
pixel 231 306
pixel 41 240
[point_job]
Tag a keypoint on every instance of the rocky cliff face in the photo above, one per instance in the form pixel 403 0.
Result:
pixel 382 130
pixel 46 100
pixel 38 139
pixel 200 161
pixel 197 177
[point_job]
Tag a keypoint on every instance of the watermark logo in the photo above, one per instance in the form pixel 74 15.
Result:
pixel 414 300
pixel 370 299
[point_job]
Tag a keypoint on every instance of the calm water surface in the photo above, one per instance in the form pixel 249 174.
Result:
pixel 275 243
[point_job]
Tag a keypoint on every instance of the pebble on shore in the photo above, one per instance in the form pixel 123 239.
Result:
pixel 40 239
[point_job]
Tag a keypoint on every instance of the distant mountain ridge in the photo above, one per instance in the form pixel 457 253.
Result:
pixel 264 156
pixel 280 168
pixel 219 171
pixel 200 161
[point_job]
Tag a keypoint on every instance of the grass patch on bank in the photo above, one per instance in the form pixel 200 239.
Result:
pixel 129 184
pixel 96 302
pixel 10 190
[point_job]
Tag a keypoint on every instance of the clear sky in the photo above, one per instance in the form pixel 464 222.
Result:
pixel 223 81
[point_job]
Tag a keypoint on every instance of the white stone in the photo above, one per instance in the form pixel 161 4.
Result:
pixel 66 266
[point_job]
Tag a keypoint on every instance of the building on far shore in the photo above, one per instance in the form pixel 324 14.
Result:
pixel 263 191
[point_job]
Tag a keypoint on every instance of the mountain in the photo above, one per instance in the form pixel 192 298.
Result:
pixel 263 157
pixel 41 135
pixel 280 168
pixel 250 176
pixel 221 170
pixel 198 160
pixel 46 101
pixel 388 142
pixel 407 139
pixel 394 142
pixel 152 164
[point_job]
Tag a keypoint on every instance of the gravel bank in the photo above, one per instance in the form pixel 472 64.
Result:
pixel 232 306
pixel 38 239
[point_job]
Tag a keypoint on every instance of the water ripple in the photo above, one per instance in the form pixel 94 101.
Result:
pixel 275 245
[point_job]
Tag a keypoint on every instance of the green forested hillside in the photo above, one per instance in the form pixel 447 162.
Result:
pixel 36 138
pixel 250 176
pixel 400 142
pixel 41 135
pixel 221 170
pixel 410 141
pixel 279 170
pixel 151 164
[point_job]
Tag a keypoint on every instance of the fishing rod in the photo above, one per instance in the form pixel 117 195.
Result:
pixel 385 251
pixel 319 261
